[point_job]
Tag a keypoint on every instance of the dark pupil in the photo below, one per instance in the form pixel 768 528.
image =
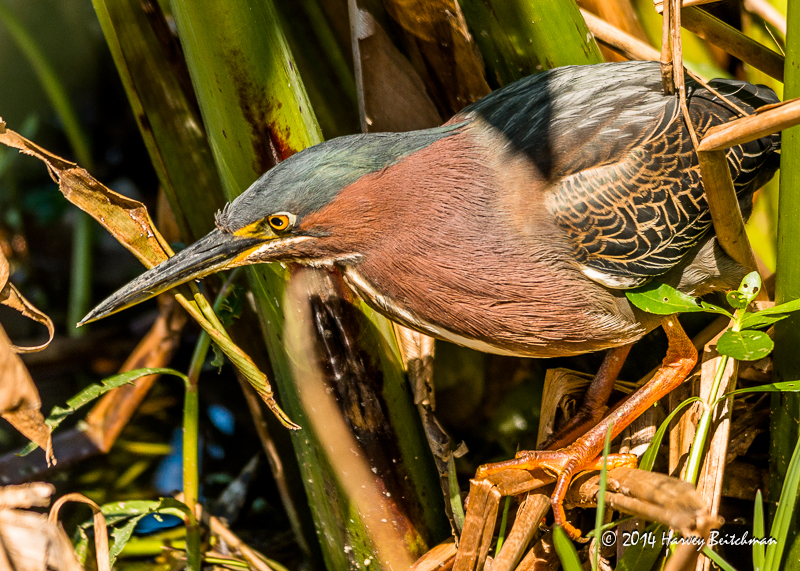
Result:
pixel 279 222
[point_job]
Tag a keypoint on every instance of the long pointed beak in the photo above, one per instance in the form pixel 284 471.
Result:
pixel 212 253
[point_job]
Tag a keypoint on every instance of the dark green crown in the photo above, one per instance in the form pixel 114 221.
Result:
pixel 312 178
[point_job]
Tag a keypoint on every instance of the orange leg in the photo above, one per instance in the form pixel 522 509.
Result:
pixel 583 454
pixel 593 406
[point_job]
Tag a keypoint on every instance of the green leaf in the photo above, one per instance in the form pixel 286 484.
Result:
pixel 787 307
pixel 737 299
pixel 81 542
pixel 750 286
pixel 783 515
pixel 662 299
pixel 758 533
pixel 745 345
pixel 782 387
pixel 770 315
pixel 121 536
pixel 87 395
pixel 501 535
pixel 129 508
pixel 649 456
pixel 759 320
pixel 566 550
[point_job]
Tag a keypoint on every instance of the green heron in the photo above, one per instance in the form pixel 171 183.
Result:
pixel 514 228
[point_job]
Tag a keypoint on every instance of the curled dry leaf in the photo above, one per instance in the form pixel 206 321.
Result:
pixel 440 33
pixel 100 528
pixel 10 297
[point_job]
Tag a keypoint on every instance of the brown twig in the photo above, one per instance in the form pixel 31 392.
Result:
pixel 667 74
pixel 677 57
pixel 611 36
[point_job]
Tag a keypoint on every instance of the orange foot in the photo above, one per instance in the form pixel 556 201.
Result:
pixel 583 454
pixel 564 464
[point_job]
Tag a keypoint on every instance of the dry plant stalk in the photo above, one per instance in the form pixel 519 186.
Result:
pixel 709 484
pixel 766 120
pixel 611 36
pixel 618 13
pixel 659 4
pixel 440 558
pixel 233 541
pixel 649 495
pixel 531 512
pixel 724 206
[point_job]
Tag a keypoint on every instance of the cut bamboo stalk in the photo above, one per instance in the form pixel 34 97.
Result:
pixel 717 32
pixel 776 118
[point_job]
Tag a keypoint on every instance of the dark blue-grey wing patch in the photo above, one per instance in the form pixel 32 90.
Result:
pixel 637 217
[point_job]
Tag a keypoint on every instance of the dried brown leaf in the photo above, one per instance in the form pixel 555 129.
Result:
pixel 19 399
pixel 31 543
pixel 392 95
pixel 439 30
pixel 127 220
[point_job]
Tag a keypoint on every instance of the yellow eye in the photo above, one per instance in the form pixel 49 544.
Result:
pixel 281 221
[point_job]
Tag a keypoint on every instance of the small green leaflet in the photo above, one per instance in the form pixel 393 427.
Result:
pixel 662 299
pixel 745 345
pixel 737 299
pixel 87 395
pixel 759 320
pixel 782 387
pixel 768 316
pixel 749 288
